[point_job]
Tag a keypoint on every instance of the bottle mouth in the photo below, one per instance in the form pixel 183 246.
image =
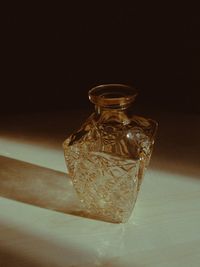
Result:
pixel 112 95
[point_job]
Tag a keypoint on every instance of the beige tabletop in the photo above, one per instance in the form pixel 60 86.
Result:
pixel 41 222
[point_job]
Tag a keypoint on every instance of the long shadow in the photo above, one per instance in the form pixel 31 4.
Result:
pixel 38 186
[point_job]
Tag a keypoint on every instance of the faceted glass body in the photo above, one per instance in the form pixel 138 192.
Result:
pixel 107 157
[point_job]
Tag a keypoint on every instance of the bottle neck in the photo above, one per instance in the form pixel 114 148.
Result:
pixel 120 114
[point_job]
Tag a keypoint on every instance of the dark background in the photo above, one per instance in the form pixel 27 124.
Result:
pixel 53 54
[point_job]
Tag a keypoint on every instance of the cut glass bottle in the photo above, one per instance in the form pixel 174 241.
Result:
pixel 107 157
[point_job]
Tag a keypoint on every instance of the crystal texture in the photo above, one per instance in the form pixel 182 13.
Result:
pixel 107 157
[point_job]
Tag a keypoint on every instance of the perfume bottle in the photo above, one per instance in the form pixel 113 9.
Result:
pixel 107 157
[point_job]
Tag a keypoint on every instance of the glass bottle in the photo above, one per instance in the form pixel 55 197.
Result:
pixel 107 157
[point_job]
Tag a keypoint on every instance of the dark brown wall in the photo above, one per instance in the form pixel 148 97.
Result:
pixel 53 54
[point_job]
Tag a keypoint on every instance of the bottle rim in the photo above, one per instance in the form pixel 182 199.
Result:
pixel 112 95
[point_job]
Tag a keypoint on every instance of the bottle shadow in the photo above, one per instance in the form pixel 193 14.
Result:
pixel 38 186
pixel 42 187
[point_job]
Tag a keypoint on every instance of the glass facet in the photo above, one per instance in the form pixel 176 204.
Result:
pixel 107 157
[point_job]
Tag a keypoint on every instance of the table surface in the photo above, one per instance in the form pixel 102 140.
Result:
pixel 40 216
